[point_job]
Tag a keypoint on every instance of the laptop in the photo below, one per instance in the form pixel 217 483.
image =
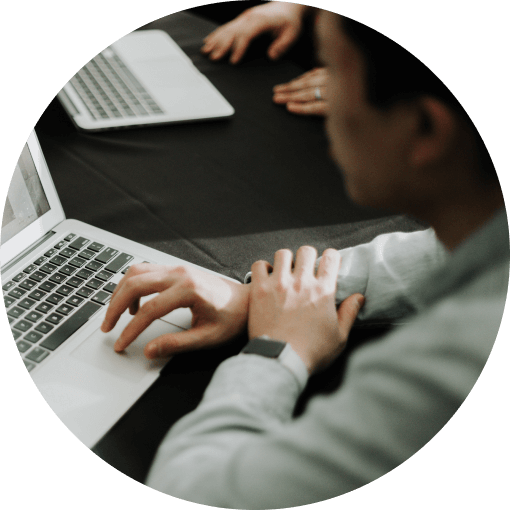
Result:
pixel 142 79
pixel 57 278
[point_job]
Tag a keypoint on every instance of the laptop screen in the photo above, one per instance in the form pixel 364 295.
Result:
pixel 26 200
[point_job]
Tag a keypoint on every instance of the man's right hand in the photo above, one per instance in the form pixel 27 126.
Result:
pixel 219 307
pixel 283 20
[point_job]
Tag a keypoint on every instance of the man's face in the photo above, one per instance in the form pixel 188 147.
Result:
pixel 369 145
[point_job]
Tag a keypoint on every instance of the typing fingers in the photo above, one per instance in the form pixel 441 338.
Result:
pixel 138 282
pixel 157 307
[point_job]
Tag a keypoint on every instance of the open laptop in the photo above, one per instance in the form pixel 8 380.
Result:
pixel 57 279
pixel 144 78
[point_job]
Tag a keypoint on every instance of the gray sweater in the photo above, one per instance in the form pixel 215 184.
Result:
pixel 241 448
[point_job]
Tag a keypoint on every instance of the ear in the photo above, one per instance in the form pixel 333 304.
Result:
pixel 435 137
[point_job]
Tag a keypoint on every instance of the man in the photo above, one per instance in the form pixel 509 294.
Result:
pixel 403 143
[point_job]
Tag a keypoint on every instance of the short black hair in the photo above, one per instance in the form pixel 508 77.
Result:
pixel 394 74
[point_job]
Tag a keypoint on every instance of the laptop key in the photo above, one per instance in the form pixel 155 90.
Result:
pixel 70 326
pixel 58 260
pixel 8 285
pixel 104 275
pixel 94 284
pixel 67 252
pixel 28 284
pixel 19 277
pixel 23 346
pixel 84 273
pixel 57 278
pixel 60 245
pixel 40 260
pixel 65 290
pixel 33 337
pixel 30 269
pixel 54 299
pixel 86 254
pixel 110 287
pixel 79 243
pixel 77 262
pixel 11 319
pixel 93 265
pixel 38 276
pixel 16 334
pixel 47 286
pixel 33 316
pixel 74 282
pixel 44 307
pixel 85 292
pixel 68 270
pixel 116 264
pixel 51 252
pixel 17 293
pixel 75 300
pixel 23 325
pixel 37 354
pixel 97 247
pixel 44 327
pixel 29 366
pixel 37 294
pixel 65 309
pixel 27 303
pixel 55 318
pixel 101 297
pixel 69 237
pixel 48 268
pixel 106 255
pixel 16 312
pixel 8 301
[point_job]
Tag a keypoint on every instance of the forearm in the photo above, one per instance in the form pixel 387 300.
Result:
pixel 249 397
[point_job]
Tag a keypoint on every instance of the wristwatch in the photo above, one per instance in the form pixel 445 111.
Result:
pixel 282 352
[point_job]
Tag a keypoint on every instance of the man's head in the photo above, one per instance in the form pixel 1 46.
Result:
pixel 401 139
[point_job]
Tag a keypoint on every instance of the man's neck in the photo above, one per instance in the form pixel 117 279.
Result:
pixel 458 220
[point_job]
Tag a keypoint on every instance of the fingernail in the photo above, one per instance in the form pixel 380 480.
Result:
pixel 104 327
pixel 361 301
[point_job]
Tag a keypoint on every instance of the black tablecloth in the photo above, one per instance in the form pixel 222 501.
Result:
pixel 220 194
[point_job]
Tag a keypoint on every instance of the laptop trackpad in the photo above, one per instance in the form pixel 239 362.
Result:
pixel 130 365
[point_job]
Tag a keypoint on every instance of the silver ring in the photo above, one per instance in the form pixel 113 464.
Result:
pixel 318 94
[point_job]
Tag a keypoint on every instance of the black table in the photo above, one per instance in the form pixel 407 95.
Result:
pixel 220 194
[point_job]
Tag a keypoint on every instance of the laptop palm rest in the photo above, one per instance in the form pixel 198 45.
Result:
pixel 130 365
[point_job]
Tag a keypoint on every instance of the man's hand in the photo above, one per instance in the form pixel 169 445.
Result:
pixel 305 95
pixel 297 306
pixel 283 20
pixel 219 307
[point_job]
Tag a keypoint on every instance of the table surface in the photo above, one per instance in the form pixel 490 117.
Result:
pixel 220 194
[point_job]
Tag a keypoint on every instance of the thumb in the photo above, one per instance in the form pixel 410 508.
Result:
pixel 282 43
pixel 348 311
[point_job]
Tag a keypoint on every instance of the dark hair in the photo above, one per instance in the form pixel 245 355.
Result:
pixel 394 74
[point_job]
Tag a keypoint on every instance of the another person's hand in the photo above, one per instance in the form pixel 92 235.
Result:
pixel 297 305
pixel 305 95
pixel 284 21
pixel 219 307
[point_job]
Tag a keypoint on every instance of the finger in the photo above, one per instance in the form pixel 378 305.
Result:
pixel 260 270
pixel 347 313
pixel 305 261
pixel 221 48
pixel 282 43
pixel 329 265
pixel 134 270
pixel 282 262
pixel 318 108
pixel 134 288
pixel 175 343
pixel 157 307
pixel 239 47
pixel 306 80
pixel 299 96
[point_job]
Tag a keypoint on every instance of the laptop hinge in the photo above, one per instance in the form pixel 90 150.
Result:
pixel 28 250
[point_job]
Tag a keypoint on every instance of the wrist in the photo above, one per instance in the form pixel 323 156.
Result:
pixel 281 352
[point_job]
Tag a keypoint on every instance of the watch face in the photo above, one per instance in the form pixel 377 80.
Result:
pixel 266 348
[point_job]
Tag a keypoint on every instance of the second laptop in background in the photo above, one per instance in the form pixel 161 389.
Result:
pixel 142 79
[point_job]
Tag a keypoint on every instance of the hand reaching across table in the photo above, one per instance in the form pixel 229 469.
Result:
pixel 284 21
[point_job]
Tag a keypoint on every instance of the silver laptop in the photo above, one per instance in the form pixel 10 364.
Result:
pixel 144 78
pixel 57 277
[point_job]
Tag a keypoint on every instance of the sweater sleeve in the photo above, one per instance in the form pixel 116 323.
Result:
pixel 389 271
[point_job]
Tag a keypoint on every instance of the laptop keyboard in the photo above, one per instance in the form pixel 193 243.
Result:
pixel 51 298
pixel 109 89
